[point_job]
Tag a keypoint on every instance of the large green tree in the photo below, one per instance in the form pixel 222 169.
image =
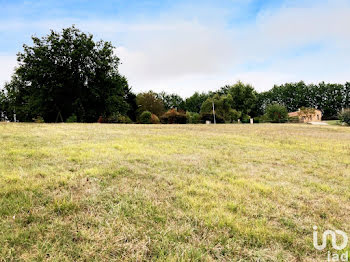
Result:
pixel 68 73
pixel 244 97
pixel 172 101
pixel 277 113
pixel 222 108
pixel 194 102
pixel 150 101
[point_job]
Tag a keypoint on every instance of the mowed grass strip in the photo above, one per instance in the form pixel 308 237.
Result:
pixel 92 192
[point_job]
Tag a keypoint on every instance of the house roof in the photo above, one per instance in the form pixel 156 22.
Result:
pixel 293 113
pixel 299 113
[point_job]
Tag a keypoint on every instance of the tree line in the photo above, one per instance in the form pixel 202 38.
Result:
pixel 68 77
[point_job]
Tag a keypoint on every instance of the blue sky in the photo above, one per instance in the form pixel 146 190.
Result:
pixel 186 46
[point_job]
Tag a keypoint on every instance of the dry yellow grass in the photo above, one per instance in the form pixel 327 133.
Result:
pixel 91 192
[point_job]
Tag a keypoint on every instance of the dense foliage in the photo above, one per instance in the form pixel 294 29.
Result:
pixel 68 77
pixel 224 113
pixel 172 101
pixel 193 118
pixel 174 116
pixel 66 74
pixel 244 97
pixel 145 117
pixel 329 98
pixel 344 116
pixel 277 113
pixel 150 101
pixel 194 102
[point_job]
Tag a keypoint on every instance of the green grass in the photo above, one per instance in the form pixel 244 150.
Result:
pixel 92 192
pixel 332 122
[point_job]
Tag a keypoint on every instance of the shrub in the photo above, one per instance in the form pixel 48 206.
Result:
pixel 115 118
pixel 124 119
pixel 150 102
pixel 192 117
pixel 154 119
pixel 224 113
pixel 293 119
pixel 277 113
pixel 145 117
pixel 261 119
pixel 173 116
pixel 235 115
pixel 245 119
pixel 344 116
pixel 72 119
pixel 100 120
pixel 38 119
pixel 209 117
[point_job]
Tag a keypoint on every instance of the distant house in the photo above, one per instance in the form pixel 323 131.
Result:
pixel 306 115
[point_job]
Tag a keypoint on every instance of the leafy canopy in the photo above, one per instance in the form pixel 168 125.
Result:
pixel 244 97
pixel 223 109
pixel 277 113
pixel 65 74
pixel 150 101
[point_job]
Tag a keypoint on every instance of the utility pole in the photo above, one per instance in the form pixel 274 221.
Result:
pixel 214 113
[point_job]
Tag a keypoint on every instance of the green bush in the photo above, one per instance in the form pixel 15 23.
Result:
pixel 145 117
pixel 38 119
pixel 293 119
pixel 192 117
pixel 72 119
pixel 155 119
pixel 344 116
pixel 258 120
pixel 204 116
pixel 245 119
pixel 277 113
pixel 115 118
pixel 261 119
pixel 235 115
pixel 224 113
pixel 124 119
pixel 173 116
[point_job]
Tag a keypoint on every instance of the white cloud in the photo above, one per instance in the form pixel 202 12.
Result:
pixel 206 57
pixel 7 65
pixel 327 21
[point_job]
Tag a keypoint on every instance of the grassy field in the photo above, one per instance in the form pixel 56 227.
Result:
pixel 332 122
pixel 92 192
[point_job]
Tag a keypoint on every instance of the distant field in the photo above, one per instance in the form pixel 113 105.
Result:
pixel 92 192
